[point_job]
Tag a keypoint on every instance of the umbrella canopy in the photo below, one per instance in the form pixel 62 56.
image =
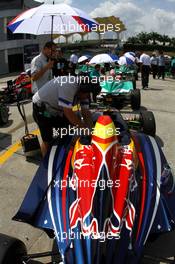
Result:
pixel 126 60
pixel 54 19
pixel 102 58
pixel 114 57
pixel 83 58
pixel 129 54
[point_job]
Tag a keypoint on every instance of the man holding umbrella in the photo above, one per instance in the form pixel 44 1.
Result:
pixel 41 66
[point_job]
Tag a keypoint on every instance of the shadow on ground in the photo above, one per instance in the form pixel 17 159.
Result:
pixel 10 122
pixel 35 159
pixel 155 89
pixel 5 140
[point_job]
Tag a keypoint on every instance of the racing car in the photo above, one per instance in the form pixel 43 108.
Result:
pixel 118 94
pixel 17 90
pixel 128 73
pixel 111 193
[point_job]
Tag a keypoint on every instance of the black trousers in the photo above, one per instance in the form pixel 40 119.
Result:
pixel 47 125
pixel 161 72
pixel 154 69
pixel 145 75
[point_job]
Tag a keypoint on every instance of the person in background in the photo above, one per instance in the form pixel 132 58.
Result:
pixel 161 65
pixel 83 63
pixel 60 67
pixel 154 65
pixel 137 62
pixel 95 74
pixel 112 73
pixel 41 66
pixel 96 71
pixel 73 63
pixel 145 65
pixel 173 67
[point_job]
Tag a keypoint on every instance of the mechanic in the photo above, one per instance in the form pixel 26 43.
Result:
pixel 96 71
pixel 154 65
pixel 161 65
pixel 52 107
pixel 173 67
pixel 41 66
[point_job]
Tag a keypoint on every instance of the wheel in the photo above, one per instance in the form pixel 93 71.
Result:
pixel 135 99
pixel 22 95
pixel 155 246
pixel 4 114
pixel 57 258
pixel 134 84
pixel 11 250
pixel 148 123
pixel 118 105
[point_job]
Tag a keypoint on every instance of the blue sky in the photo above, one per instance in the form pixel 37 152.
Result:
pixel 91 4
pixel 138 15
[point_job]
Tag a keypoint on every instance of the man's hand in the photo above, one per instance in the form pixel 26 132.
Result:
pixel 36 76
pixel 87 117
pixel 72 117
pixel 50 64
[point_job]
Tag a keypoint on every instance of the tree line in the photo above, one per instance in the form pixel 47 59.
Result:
pixel 152 38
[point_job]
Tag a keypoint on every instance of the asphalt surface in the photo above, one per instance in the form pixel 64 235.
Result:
pixel 16 173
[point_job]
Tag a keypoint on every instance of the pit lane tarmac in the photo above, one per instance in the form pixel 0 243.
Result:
pixel 16 173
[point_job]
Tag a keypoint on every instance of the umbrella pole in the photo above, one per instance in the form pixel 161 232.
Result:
pixel 52 29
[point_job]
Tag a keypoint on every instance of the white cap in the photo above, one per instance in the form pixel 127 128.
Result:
pixel 74 58
pixel 82 58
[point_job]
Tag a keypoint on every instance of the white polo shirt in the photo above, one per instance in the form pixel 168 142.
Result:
pixel 56 95
pixel 145 59
pixel 36 65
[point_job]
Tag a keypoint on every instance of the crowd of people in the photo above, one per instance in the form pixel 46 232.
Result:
pixel 157 65
pixel 53 101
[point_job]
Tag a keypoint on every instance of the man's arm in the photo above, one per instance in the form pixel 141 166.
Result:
pixel 87 117
pixel 37 75
pixel 72 117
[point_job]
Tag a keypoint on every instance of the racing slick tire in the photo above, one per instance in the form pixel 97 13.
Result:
pixel 148 123
pixel 156 247
pixel 135 99
pixel 119 105
pixel 11 250
pixel 134 84
pixel 4 114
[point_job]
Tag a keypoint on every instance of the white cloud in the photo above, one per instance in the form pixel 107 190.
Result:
pixel 137 19
pixel 123 9
pixel 159 20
